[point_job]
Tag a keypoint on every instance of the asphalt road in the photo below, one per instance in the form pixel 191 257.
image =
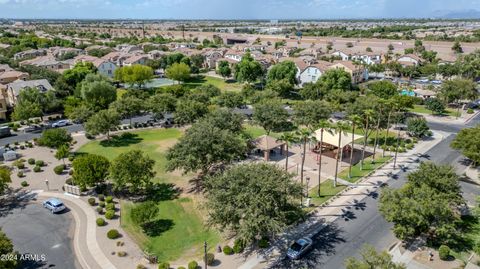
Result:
pixel 34 230
pixel 362 222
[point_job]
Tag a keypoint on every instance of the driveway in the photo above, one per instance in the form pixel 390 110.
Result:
pixel 36 231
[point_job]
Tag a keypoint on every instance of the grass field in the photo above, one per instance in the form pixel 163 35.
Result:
pixel 256 131
pixel 368 167
pixel 179 230
pixel 326 192
pixel 218 82
pixel 423 110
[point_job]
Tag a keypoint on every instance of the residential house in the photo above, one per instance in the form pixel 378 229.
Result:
pixel 136 59
pixel 29 54
pixel 104 67
pixel 127 48
pixel 156 54
pixel 183 45
pixel 12 75
pixel 312 72
pixel 342 55
pixel 212 57
pixel 356 71
pixel 234 55
pixel 3 102
pixel 59 52
pixel 116 57
pixel 409 60
pixel 367 58
pixel 14 88
pixel 48 62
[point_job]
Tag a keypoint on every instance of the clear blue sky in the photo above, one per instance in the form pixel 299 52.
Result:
pixel 231 9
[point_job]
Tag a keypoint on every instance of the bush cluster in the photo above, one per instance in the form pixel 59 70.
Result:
pixel 31 161
pixel 109 214
pixel 100 222
pixel 164 265
pixel 113 234
pixel 37 169
pixel 210 258
pixel 109 199
pixel 59 169
pixel 20 174
pixel 100 210
pixel 39 163
pixel 444 252
pixel 238 246
pixel 91 201
pixel 101 204
pixel 110 206
pixel 24 184
pixel 101 197
pixel 192 265
pixel 121 254
pixel 227 250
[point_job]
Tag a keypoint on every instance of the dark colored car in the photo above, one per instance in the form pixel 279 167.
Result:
pixel 299 247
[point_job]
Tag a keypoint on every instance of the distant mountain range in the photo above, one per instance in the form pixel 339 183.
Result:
pixel 458 14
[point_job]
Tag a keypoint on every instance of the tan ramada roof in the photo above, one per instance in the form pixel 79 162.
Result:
pixel 331 138
pixel 266 142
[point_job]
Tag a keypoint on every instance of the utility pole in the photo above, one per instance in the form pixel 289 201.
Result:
pixel 205 250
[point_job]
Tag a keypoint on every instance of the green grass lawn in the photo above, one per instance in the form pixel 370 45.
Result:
pixel 326 191
pixel 184 233
pixel 423 110
pixel 218 82
pixel 256 131
pixel 368 166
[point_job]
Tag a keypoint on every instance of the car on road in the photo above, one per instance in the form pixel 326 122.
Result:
pixel 35 129
pixel 299 247
pixel 60 123
pixel 5 131
pixel 54 205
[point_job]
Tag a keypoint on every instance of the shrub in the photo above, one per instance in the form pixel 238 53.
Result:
pixel 444 252
pixel 121 254
pixel 54 138
pixel 263 243
pixel 59 169
pixel 238 246
pixel 227 250
pixel 37 169
pixel 70 158
pixel 100 222
pixel 39 163
pixel 70 172
pixel 30 145
pixel 192 265
pixel 469 111
pixel 110 206
pixel 24 184
pixel 22 147
pixel 141 266
pixel 101 204
pixel 101 197
pixel 20 174
pixel 109 199
pixel 144 212
pixel 164 265
pixel 20 165
pixel 100 210
pixel 91 201
pixel 31 161
pixel 181 267
pixel 409 146
pixel 210 258
pixel 109 214
pixel 113 234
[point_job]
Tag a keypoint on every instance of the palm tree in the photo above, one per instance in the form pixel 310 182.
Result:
pixel 304 136
pixel 377 127
pixel 390 111
pixel 339 129
pixel 287 138
pixel 368 115
pixel 323 125
pixel 354 119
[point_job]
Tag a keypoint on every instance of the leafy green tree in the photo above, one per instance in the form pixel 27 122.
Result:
pixel 33 103
pixel 62 152
pixel 457 47
pixel 252 200
pixel 161 104
pixel 97 92
pixel 208 89
pixel 427 204
pixel 54 138
pixel 384 89
pixel 90 169
pixel 188 111
pixel 230 100
pixel 312 91
pixel 4 179
pixel 6 250
pixel 371 259
pixel 102 122
pixel 73 77
pixel 248 69
pixel 468 142
pixel 270 114
pixel 224 69
pixel 178 71
pixel 134 75
pixel 80 114
pixel 310 113
pixel 225 119
pixel 458 89
pixel 144 212
pixel 335 79
pixel 282 87
pixel 128 107
pixel 417 127
pixel 132 169
pixel 204 146
pixel 435 105
pixel 286 70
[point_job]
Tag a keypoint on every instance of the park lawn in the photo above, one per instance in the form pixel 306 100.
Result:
pixel 187 232
pixel 327 191
pixel 218 82
pixel 368 167
pixel 423 110
pixel 256 131
pixel 182 237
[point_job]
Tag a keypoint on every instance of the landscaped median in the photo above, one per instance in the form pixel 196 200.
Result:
pixel 368 168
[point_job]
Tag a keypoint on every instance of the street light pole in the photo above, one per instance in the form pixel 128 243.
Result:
pixel 205 250
pixel 308 181
pixel 46 183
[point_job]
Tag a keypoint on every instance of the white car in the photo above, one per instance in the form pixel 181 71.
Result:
pixel 60 123
pixel 54 205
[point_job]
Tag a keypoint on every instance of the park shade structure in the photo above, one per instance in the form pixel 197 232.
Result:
pixel 330 141
pixel 266 144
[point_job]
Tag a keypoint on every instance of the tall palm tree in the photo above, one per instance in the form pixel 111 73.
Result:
pixel 378 116
pixel 323 125
pixel 287 138
pixel 340 127
pixel 366 131
pixel 354 120
pixel 304 136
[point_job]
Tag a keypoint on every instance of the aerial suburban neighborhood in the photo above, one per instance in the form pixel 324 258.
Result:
pixel 242 135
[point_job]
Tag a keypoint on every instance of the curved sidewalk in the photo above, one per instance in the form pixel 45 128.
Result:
pixel 89 253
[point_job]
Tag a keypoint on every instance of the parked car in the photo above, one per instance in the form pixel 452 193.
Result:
pixel 54 205
pixel 472 105
pixel 60 123
pixel 5 131
pixel 34 129
pixel 299 247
